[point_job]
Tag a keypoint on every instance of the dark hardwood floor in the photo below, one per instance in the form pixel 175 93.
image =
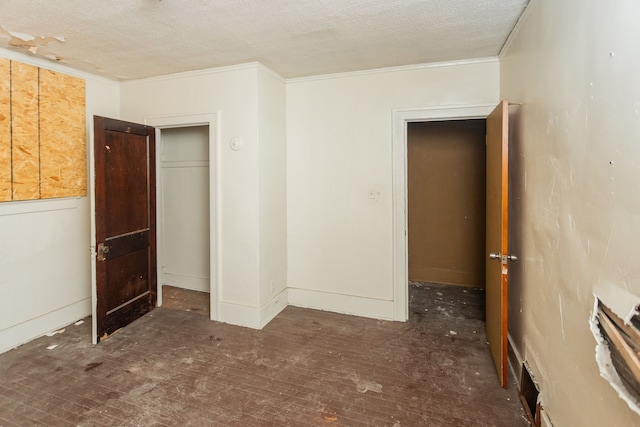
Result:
pixel 176 368
pixel 185 299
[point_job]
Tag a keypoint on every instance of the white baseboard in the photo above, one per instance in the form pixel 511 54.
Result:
pixel 344 304
pixel 26 331
pixel 273 307
pixel 187 282
pixel 253 317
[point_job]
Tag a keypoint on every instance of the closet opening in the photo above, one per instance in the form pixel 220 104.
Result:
pixel 184 252
pixel 446 192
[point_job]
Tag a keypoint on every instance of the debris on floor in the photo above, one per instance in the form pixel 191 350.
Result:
pixel 363 385
pixel 59 331
pixel 92 365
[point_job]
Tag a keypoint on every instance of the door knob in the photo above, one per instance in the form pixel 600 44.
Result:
pixel 497 256
pixel 102 251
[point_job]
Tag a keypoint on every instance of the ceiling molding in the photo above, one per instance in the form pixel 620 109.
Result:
pixel 195 73
pixel 384 70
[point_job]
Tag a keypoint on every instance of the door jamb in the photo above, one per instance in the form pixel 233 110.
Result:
pixel 91 187
pixel 401 117
pixel 213 121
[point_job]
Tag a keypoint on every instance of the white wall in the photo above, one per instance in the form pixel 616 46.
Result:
pixel 574 65
pixel 273 185
pixel 236 94
pixel 339 146
pixel 45 276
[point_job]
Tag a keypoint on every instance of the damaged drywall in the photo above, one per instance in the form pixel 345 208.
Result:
pixel 604 355
pixel 31 43
pixel 621 302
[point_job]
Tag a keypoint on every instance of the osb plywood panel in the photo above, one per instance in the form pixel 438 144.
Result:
pixel 5 130
pixel 24 131
pixel 62 135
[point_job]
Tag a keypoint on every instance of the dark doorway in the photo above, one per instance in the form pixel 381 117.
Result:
pixel 446 202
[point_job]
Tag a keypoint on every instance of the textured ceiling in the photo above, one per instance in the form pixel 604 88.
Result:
pixel 133 39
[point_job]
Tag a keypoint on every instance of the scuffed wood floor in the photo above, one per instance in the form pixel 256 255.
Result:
pixel 185 299
pixel 306 368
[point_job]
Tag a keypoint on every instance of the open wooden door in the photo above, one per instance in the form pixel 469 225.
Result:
pixel 125 217
pixel 497 251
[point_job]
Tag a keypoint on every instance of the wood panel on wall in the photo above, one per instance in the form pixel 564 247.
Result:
pixel 25 146
pixel 5 130
pixel 446 202
pixel 62 135
pixel 42 133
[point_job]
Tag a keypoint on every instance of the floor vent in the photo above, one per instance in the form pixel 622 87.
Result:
pixel 529 397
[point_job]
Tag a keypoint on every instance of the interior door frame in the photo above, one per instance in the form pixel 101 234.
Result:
pixel 163 122
pixel 91 186
pixel 401 119
pixel 171 122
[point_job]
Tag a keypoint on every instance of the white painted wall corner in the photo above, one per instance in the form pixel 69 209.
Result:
pixel 253 317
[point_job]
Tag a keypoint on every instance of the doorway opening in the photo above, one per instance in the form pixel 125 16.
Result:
pixel 401 121
pixel 446 190
pixel 187 191
pixel 446 176
pixel 183 210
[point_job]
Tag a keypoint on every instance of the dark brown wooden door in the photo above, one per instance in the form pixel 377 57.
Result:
pixel 125 205
pixel 497 251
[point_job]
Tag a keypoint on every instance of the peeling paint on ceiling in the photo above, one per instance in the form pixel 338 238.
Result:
pixel 295 38
pixel 30 42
